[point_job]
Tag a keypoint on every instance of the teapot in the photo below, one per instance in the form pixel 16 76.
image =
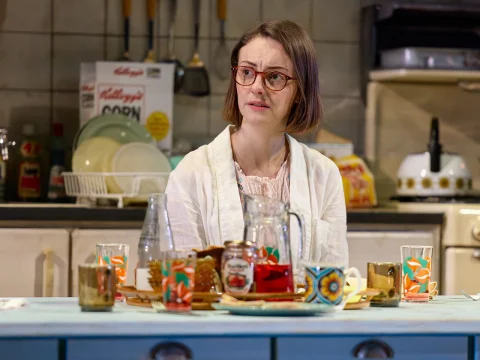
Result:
pixel 267 227
pixel 433 172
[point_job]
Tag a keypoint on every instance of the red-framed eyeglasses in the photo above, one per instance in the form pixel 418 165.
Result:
pixel 273 80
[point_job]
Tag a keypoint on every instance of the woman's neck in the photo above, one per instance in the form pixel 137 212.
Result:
pixel 259 151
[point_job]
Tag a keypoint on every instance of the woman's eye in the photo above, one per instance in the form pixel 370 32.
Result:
pixel 247 72
pixel 276 77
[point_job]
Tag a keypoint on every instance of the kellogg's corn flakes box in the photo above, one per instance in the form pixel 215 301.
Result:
pixel 141 91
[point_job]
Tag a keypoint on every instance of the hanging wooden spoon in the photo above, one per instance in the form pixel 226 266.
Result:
pixel 150 57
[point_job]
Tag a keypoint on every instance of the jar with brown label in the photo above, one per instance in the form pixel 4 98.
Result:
pixel 238 261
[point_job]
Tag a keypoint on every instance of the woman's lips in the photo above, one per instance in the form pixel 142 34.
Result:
pixel 258 105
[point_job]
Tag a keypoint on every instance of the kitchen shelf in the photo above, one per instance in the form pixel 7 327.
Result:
pixel 425 76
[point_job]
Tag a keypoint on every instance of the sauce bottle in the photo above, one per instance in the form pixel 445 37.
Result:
pixel 29 168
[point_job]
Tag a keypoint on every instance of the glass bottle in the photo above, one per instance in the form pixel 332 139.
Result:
pixel 156 238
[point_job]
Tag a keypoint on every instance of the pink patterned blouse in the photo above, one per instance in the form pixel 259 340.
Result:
pixel 276 188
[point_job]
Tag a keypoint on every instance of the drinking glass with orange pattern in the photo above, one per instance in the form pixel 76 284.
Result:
pixel 417 272
pixel 115 254
pixel 178 279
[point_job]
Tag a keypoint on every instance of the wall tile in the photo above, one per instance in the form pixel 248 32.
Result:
pixel 65 111
pixel 336 20
pixel 21 107
pixel 220 85
pixel 14 17
pixel 217 123
pixel 69 52
pixel 338 69
pixel 298 11
pixel 241 16
pixel 79 16
pixel 343 117
pixel 191 117
pixel 24 61
pixel 184 24
pixel 138 48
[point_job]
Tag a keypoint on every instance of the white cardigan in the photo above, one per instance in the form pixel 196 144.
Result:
pixel 204 206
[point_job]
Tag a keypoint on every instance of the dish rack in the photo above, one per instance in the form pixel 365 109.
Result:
pixel 90 186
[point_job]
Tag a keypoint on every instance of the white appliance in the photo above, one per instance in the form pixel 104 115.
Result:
pixel 460 244
pixel 384 246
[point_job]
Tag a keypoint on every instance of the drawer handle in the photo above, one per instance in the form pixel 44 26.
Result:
pixel 49 278
pixel 373 349
pixel 170 351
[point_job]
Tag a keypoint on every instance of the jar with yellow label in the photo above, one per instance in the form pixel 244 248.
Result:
pixel 238 261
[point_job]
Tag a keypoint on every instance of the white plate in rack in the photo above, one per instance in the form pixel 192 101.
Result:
pixel 142 158
pixel 93 154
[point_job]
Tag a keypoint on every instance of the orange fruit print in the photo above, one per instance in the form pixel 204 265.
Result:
pixel 120 263
pixel 416 275
pixel 178 283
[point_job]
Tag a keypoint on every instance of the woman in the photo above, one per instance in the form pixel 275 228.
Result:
pixel 274 91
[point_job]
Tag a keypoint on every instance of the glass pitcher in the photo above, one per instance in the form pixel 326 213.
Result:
pixel 267 226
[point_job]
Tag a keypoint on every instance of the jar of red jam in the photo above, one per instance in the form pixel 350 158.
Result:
pixel 238 261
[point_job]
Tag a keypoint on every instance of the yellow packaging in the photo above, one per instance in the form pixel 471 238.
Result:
pixel 358 182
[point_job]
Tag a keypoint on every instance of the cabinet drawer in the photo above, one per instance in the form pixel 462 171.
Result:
pixel 237 348
pixel 21 349
pixel 403 347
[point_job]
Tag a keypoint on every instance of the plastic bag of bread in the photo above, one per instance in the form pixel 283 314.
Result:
pixel 358 182
pixel 207 270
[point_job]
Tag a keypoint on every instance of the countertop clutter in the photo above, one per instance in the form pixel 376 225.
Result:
pixel 54 328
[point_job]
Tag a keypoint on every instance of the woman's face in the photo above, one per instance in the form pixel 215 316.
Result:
pixel 258 104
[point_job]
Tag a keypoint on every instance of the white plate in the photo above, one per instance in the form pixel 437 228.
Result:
pixel 304 310
pixel 139 157
pixel 94 154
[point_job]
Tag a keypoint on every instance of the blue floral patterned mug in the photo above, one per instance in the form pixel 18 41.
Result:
pixel 324 284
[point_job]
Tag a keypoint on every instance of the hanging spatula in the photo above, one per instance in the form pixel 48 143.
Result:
pixel 196 81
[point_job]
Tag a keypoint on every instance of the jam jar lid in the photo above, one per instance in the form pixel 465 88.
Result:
pixel 238 243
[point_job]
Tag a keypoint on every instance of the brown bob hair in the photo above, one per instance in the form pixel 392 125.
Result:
pixel 306 112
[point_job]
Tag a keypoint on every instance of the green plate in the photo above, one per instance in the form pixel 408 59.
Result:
pixel 118 127
pixel 304 310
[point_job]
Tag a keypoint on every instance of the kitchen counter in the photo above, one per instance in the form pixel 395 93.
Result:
pixel 39 215
pixel 445 328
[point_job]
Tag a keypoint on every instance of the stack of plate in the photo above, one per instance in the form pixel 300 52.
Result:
pixel 117 147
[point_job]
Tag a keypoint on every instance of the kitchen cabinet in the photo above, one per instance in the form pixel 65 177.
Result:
pixel 34 262
pixel 39 349
pixel 84 242
pixel 389 347
pixel 464 261
pixel 380 246
pixel 201 349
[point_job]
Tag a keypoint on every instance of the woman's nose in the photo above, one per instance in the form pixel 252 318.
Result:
pixel 258 86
